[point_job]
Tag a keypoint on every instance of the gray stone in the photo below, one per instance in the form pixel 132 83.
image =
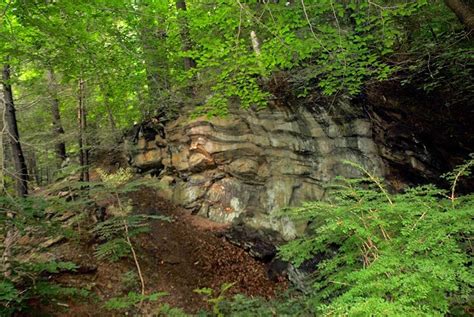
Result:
pixel 251 164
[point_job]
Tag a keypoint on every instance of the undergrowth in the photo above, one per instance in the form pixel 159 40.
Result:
pixel 118 230
pixel 405 254
pixel 25 273
pixel 131 300
pixel 402 254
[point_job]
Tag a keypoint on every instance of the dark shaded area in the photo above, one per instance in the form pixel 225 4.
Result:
pixel 259 243
pixel 420 136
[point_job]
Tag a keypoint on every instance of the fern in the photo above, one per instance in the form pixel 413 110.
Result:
pixel 112 232
pixel 215 299
pixel 167 310
pixel 397 255
pixel 23 282
pixel 113 250
pixel 49 267
pixel 131 300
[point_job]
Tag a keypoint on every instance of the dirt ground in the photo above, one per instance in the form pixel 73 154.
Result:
pixel 176 257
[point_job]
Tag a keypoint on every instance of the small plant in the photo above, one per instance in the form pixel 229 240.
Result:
pixel 131 300
pixel 168 311
pixel 286 304
pixel 215 300
pixel 129 280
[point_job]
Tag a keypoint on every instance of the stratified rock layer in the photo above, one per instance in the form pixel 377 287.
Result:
pixel 250 164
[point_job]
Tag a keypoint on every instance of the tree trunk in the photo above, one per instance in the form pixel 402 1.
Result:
pixel 113 126
pixel 21 171
pixel 110 114
pixel 82 140
pixel 33 166
pixel 153 41
pixel 156 69
pixel 463 11
pixel 58 131
pixel 184 33
pixel 2 147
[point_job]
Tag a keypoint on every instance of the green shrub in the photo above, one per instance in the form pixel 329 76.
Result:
pixel 405 254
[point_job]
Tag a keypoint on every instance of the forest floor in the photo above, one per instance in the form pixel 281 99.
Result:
pixel 176 257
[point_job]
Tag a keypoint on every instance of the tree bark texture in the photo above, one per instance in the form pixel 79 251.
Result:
pixel 58 131
pixel 184 33
pixel 82 140
pixel 463 11
pixel 21 171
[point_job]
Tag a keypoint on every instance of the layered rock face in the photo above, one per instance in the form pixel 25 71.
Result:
pixel 247 166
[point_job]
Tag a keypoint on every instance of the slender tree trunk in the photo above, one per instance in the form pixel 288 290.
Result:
pixel 184 33
pixel 82 123
pixel 58 131
pixel 156 68
pixel 110 114
pixel 2 147
pixel 33 166
pixel 153 41
pixel 113 126
pixel 21 170
pixel 463 11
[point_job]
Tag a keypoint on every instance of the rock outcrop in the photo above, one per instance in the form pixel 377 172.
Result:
pixel 250 164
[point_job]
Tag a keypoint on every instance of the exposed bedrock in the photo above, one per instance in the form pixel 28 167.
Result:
pixel 247 166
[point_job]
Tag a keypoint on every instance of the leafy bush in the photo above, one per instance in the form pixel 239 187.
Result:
pixel 398 255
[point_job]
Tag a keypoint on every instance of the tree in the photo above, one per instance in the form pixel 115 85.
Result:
pixel 82 125
pixel 153 40
pixel 21 170
pixel 58 130
pixel 186 45
pixel 463 11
